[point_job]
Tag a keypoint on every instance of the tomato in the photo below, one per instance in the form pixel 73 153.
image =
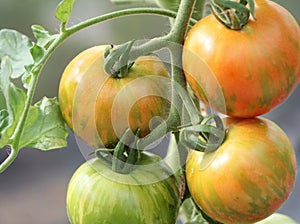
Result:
pixel 147 195
pixel 244 73
pixel 249 177
pixel 99 108
pixel 277 218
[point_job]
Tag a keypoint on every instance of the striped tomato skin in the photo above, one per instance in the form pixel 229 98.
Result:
pixel 249 72
pixel 249 177
pixel 148 195
pixel 99 108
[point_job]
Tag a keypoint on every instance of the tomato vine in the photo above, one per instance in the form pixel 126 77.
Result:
pixel 25 125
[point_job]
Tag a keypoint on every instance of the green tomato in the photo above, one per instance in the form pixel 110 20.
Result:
pixel 147 195
pixel 277 218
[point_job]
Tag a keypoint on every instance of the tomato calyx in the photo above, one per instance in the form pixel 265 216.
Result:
pixel 234 15
pixel 124 156
pixel 116 60
pixel 206 136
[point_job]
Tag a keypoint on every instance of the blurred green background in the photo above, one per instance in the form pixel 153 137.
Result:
pixel 32 190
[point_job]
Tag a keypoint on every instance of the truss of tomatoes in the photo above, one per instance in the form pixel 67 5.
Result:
pixel 242 74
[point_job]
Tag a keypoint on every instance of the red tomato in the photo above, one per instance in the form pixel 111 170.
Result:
pixel 248 72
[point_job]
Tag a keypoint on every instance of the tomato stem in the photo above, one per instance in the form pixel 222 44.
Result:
pixel 206 136
pixel 126 154
pixel 9 160
pixel 173 41
pixel 121 13
pixel 234 15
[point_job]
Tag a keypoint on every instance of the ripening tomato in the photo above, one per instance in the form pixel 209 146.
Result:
pixel 99 108
pixel 247 72
pixel 249 177
pixel 147 195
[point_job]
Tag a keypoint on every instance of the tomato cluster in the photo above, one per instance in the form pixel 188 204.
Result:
pixel 242 74
pixel 99 108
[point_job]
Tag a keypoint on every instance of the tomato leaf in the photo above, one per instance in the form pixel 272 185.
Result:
pixel 2 101
pixel 63 10
pixel 26 77
pixel 42 36
pixel 37 53
pixel 4 119
pixel 45 128
pixel 14 102
pixel 16 46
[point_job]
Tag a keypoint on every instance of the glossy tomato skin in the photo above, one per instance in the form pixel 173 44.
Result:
pixel 244 73
pixel 99 108
pixel 148 195
pixel 249 177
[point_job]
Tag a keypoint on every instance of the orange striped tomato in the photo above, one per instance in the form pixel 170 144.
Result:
pixel 99 108
pixel 244 73
pixel 249 177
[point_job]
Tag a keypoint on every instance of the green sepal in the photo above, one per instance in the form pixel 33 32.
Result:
pixel 117 61
pixel 234 15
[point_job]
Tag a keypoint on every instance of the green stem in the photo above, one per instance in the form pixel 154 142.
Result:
pixel 199 9
pixel 182 20
pixel 121 13
pixel 9 160
pixel 176 35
